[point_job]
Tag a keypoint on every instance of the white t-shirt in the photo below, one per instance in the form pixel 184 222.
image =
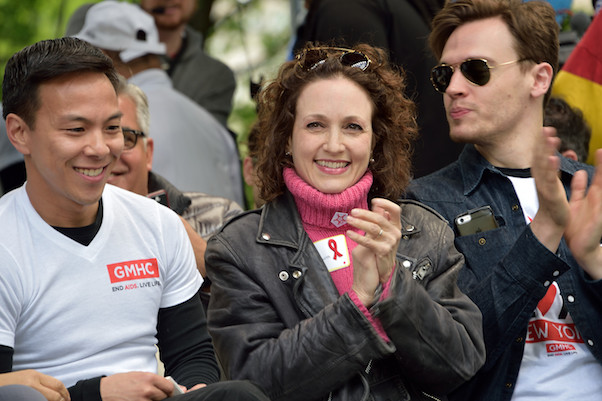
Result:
pixel 76 312
pixel 556 364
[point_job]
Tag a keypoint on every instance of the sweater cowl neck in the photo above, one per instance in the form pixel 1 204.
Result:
pixel 320 209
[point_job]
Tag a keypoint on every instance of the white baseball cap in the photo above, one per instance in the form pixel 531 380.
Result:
pixel 123 27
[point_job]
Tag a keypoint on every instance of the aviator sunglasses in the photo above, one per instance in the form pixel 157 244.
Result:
pixel 475 70
pixel 311 58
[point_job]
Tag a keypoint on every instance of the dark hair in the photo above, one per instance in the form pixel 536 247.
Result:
pixel 571 127
pixel 532 24
pixel 43 61
pixel 393 121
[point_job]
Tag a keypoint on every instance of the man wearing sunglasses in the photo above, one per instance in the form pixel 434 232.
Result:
pixel 541 309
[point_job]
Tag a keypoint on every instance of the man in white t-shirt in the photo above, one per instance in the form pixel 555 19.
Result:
pixel 541 307
pixel 92 276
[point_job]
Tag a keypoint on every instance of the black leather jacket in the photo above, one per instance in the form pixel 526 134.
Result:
pixel 277 318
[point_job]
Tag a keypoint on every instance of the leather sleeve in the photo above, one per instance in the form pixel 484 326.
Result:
pixel 439 340
pixel 259 338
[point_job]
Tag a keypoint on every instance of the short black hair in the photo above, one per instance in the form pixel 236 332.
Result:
pixel 43 61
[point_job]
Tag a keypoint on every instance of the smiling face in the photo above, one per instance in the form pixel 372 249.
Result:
pixel 131 170
pixel 73 147
pixel 332 134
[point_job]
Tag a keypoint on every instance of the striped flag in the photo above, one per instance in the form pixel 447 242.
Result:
pixel 580 81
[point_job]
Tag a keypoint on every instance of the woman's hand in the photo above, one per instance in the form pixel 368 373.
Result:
pixel 374 255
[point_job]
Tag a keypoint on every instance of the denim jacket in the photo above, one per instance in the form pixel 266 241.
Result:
pixel 507 269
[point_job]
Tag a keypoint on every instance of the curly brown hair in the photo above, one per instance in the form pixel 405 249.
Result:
pixel 393 120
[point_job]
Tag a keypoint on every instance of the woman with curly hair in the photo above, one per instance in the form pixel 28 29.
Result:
pixel 333 290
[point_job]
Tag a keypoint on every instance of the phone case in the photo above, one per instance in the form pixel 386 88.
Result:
pixel 476 221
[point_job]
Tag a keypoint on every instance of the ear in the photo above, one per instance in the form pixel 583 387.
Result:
pixel 248 171
pixel 570 154
pixel 542 79
pixel 18 133
pixel 150 148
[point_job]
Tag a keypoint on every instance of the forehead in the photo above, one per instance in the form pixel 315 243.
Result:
pixel 326 89
pixel 488 38
pixel 83 92
pixel 128 107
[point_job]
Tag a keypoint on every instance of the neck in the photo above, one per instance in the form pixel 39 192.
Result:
pixel 137 65
pixel 513 149
pixel 317 208
pixel 172 39
pixel 65 214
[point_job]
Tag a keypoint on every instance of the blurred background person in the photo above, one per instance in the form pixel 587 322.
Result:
pixel 201 214
pixel 579 82
pixel 204 79
pixel 194 151
pixel 571 128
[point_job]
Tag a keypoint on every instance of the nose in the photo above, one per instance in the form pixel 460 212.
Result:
pixel 457 84
pixel 334 141
pixel 98 145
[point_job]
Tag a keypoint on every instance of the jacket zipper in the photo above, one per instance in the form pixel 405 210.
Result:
pixel 432 397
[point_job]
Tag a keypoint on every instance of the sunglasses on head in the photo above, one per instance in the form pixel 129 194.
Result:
pixel 476 70
pixel 311 58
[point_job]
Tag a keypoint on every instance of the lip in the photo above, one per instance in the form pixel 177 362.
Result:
pixel 458 112
pixel 90 173
pixel 343 166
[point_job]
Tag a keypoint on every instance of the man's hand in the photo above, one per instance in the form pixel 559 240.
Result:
pixel 374 255
pixel 552 216
pixel 51 388
pixel 135 386
pixel 584 229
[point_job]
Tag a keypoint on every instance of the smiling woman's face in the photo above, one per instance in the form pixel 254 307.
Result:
pixel 332 134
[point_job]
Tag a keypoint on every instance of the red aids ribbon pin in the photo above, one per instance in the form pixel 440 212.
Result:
pixel 332 244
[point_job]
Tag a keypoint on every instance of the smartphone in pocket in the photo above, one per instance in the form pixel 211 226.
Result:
pixel 475 221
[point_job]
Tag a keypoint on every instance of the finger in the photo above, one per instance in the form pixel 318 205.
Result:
pixel 198 386
pixel 370 228
pixel 578 186
pixel 597 180
pixel 390 211
pixel 377 246
pixel 56 387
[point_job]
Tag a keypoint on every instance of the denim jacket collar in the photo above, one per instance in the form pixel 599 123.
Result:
pixel 473 167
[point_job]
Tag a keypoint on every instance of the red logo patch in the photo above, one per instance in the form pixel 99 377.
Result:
pixel 551 348
pixel 133 270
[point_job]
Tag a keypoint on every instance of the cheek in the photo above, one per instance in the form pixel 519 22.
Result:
pixel 116 145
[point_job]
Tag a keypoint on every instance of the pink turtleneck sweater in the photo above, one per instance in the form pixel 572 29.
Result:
pixel 324 216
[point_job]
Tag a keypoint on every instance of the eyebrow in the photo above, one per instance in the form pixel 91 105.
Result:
pixel 73 117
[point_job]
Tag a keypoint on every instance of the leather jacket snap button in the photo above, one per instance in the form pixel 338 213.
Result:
pixel 297 274
pixel 283 275
pixel 266 236
pixel 482 241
